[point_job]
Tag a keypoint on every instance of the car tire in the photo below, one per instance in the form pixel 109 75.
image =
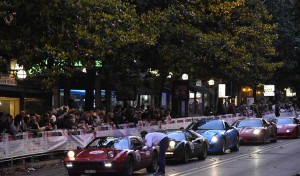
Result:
pixel 222 151
pixel 237 146
pixel 275 138
pixel 297 133
pixel 186 156
pixel 265 139
pixel 129 166
pixel 203 153
pixel 154 164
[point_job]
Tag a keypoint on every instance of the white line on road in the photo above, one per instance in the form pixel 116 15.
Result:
pixel 191 171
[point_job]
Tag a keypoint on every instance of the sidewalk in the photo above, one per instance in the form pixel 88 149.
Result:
pixel 27 167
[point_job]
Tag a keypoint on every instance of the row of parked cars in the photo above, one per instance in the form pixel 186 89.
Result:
pixel 125 154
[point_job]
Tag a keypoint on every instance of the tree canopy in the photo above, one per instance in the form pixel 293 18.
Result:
pixel 228 39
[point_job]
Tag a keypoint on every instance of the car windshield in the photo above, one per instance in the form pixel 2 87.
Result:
pixel 208 125
pixel 177 136
pixel 284 121
pixel 109 142
pixel 249 123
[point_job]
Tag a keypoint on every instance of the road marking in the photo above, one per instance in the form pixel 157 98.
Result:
pixel 191 171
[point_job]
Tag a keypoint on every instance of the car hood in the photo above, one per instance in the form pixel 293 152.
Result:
pixel 210 133
pixel 249 130
pixel 285 126
pixel 98 154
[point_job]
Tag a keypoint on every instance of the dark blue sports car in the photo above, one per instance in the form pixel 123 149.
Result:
pixel 185 144
pixel 221 136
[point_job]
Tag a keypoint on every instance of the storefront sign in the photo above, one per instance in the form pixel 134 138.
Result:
pixel 269 90
pixel 6 79
pixel 222 88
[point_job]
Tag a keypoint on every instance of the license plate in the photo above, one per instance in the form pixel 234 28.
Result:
pixel 90 171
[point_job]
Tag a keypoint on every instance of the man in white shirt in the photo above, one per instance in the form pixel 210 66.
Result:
pixel 154 139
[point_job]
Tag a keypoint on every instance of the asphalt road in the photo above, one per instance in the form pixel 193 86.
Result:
pixel 274 159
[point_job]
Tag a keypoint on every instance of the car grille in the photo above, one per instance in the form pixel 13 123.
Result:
pixel 284 134
pixel 88 165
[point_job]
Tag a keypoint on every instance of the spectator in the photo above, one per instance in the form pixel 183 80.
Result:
pixel 33 125
pixel 220 108
pixel 111 120
pixel 83 125
pixel 44 123
pixel 70 122
pixel 9 125
pixel 168 117
pixel 277 109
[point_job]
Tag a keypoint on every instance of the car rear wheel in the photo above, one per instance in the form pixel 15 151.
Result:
pixel 203 153
pixel 154 163
pixel 186 155
pixel 129 166
pixel 237 146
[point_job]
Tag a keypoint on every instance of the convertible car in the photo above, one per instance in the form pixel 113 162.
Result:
pixel 287 127
pixel 185 144
pixel 256 130
pixel 221 136
pixel 112 155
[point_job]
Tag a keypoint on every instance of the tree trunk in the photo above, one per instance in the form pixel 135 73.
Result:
pixel 89 91
pixel 98 101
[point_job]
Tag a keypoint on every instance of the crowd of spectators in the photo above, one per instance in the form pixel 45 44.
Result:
pixel 71 118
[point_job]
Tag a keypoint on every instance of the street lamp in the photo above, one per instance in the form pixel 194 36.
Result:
pixel 185 76
pixel 211 82
pixel 21 74
pixel 19 71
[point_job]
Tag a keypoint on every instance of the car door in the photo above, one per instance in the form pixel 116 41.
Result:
pixel 269 128
pixel 195 142
pixel 230 134
pixel 140 157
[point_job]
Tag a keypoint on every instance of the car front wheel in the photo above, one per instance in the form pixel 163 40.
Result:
pixel 203 154
pixel 237 146
pixel 154 164
pixel 129 167
pixel 186 155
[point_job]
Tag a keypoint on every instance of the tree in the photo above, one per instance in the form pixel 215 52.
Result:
pixel 283 13
pixel 231 40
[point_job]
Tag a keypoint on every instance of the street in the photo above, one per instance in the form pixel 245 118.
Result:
pixel 276 159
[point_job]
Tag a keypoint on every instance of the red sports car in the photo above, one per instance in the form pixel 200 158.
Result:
pixel 287 127
pixel 256 130
pixel 112 155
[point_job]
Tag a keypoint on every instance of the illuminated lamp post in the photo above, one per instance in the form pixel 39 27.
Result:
pixel 185 103
pixel 213 98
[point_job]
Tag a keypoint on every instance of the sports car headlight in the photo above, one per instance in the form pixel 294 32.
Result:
pixel 172 144
pixel 110 154
pixel 256 131
pixel 214 139
pixel 289 130
pixel 71 154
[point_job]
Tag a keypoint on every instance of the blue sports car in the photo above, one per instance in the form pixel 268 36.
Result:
pixel 221 136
